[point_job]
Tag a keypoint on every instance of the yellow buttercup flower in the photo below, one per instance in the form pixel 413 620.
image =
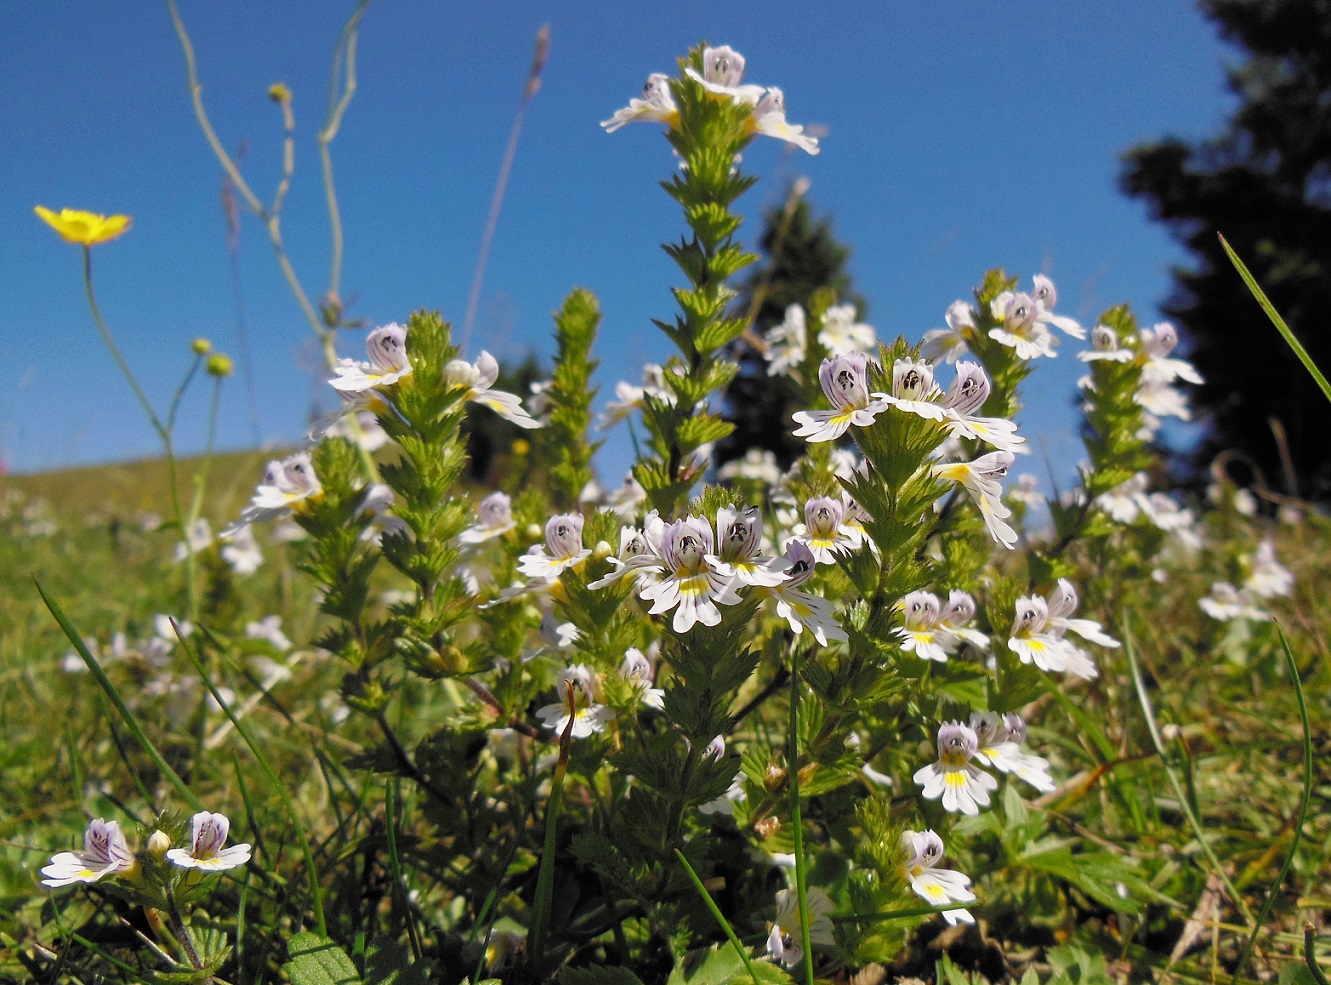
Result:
pixel 84 228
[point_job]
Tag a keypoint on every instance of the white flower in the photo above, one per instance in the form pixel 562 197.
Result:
pixel 637 670
pixel 739 534
pixel 961 784
pixel 105 852
pixel 1022 330
pixel 1045 298
pixel 953 342
pixel 786 343
pixel 496 518
pixel 200 539
pixel 953 625
pixel 1157 344
pixel 1269 577
pixel 1227 602
pixel 785 943
pixel 387 349
pixel 285 485
pixel 268 628
pixel 1038 633
pixel 913 390
pixel 757 465
pixel 769 119
pixel 920 612
pixel 1104 346
pixel 628 499
pixel 980 479
pixel 563 549
pixel 924 850
pixel 477 379
pixel 576 687
pixel 359 426
pixel 722 70
pixel 694 583
pixel 841 334
pixel 824 532
pixel 801 609
pixel 242 552
pixel 655 106
pixel 209 833
pixel 967 395
pixel 845 382
pixel 1000 747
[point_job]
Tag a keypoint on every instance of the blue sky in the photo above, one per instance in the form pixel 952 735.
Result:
pixel 961 135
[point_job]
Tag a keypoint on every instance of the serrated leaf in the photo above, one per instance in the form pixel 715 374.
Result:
pixel 317 960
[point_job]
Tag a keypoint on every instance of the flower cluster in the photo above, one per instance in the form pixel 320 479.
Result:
pixel 106 852
pixel 722 71
pixel 1039 633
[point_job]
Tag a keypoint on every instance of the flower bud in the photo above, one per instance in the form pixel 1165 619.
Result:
pixel 158 843
pixel 201 346
pixel 220 365
pixel 279 93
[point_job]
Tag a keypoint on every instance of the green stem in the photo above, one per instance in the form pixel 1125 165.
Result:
pixel 796 821
pixel 717 915
pixel 115 350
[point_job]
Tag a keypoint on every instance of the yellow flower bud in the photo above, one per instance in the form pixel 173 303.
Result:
pixel 201 346
pixel 279 93
pixel 220 365
pixel 521 446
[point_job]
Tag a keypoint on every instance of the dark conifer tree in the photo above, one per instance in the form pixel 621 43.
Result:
pixel 1265 183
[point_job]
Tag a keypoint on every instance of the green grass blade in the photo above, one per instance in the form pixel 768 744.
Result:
pixel 1304 803
pixel 311 869
pixel 718 916
pixel 1276 320
pixel 545 877
pixel 113 696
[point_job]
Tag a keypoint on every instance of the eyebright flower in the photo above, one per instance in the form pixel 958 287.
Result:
pixel 656 105
pixel 962 785
pixel 845 381
pixel 722 70
pixel 786 343
pixel 913 390
pixel 84 228
pixel 980 479
pixel 953 342
pixel 1160 370
pixel 953 626
pixel 802 609
pixel 920 611
pixel 769 119
pixel 1268 577
pixel 785 943
pixel 563 549
pixel 577 689
pixel 693 583
pixel 825 534
pixel 924 850
pixel 1045 298
pixel 477 379
pixel 387 349
pixel 637 670
pixel 496 516
pixel 1038 633
pixel 285 485
pixel 1000 741
pixel 242 552
pixel 209 833
pixel 842 335
pixel 105 852
pixel 967 395
pixel 1104 346
pixel 1021 328
pixel 200 539
pixel 739 533
pixel 1227 602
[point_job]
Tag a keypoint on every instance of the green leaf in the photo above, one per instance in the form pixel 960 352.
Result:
pixel 317 960
pixel 598 975
pixel 720 965
pixel 388 962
